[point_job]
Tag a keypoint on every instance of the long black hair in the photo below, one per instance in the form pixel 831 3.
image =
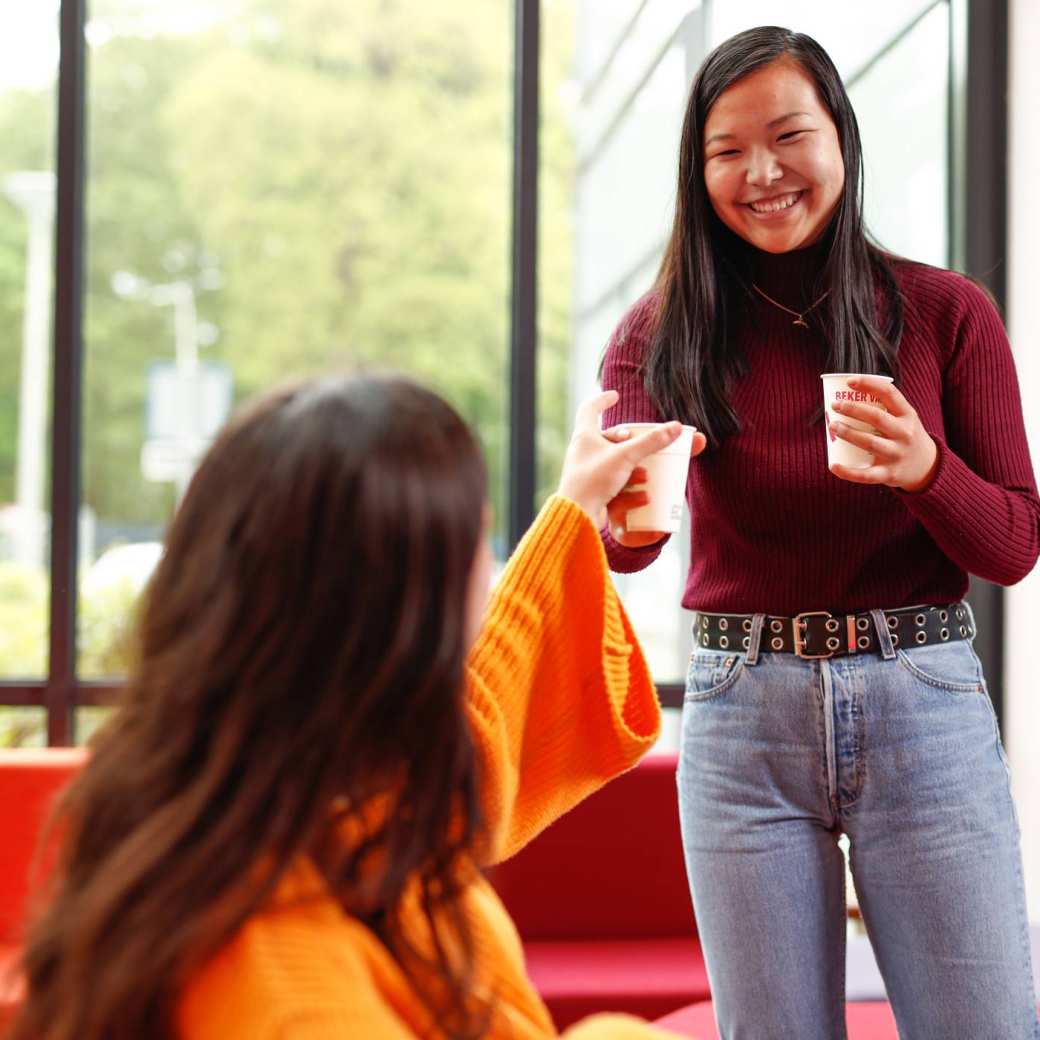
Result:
pixel 692 363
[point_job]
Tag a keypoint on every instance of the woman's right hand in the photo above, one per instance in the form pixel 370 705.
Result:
pixel 599 465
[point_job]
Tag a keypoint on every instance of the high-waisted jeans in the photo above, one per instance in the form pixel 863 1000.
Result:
pixel 900 751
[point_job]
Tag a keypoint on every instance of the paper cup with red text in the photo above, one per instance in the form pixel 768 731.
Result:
pixel 836 388
pixel 665 485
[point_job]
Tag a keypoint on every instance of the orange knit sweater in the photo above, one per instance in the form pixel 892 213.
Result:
pixel 559 700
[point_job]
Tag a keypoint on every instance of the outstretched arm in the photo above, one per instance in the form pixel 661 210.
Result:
pixel 560 697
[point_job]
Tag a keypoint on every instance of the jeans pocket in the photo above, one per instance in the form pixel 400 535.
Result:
pixel 953 667
pixel 711 673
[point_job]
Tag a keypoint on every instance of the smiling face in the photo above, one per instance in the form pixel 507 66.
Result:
pixel 772 159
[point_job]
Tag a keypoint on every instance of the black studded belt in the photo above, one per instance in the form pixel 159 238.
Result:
pixel 819 633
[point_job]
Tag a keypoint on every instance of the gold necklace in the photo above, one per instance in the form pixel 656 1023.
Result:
pixel 799 319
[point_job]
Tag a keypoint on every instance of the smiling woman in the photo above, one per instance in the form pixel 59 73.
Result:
pixel 823 593
pixel 773 166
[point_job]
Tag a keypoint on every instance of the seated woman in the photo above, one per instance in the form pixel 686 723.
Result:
pixel 280 833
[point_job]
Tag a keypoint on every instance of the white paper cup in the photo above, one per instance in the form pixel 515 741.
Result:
pixel 836 388
pixel 666 473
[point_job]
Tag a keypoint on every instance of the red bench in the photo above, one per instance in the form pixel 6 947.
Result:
pixel 601 903
pixel 29 782
pixel 600 898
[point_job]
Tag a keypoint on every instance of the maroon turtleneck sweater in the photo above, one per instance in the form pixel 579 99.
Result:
pixel 773 530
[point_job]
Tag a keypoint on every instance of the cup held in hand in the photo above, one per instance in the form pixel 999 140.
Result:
pixel 665 485
pixel 835 389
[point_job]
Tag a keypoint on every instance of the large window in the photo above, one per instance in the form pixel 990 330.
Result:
pixel 28 72
pixel 273 189
pixel 279 187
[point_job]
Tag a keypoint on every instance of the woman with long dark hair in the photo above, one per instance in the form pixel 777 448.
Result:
pixel 833 687
pixel 279 834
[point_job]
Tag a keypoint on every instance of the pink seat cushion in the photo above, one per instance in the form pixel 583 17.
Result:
pixel 865 1022
pixel 645 977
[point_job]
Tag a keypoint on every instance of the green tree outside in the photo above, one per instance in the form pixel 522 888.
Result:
pixel 334 179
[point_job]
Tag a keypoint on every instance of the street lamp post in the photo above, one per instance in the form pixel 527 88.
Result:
pixel 33 193
pixel 180 295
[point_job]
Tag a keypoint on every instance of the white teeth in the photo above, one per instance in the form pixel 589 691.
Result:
pixel 777 204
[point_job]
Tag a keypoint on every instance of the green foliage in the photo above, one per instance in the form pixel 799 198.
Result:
pixel 22 727
pixel 24 603
pixel 105 620
pixel 27 130
pixel 105 617
pixel 346 168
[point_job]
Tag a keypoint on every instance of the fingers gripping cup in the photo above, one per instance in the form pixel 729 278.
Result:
pixel 666 473
pixel 835 389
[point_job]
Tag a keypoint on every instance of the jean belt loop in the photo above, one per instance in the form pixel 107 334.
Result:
pixel 754 639
pixel 888 651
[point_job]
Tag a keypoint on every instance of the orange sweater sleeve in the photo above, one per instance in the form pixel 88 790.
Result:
pixel 560 698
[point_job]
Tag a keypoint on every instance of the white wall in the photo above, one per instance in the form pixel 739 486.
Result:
pixel 1023 601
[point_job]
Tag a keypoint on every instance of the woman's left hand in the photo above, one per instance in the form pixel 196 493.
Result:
pixel 905 456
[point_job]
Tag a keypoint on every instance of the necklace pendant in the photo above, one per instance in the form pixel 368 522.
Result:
pixel 798 321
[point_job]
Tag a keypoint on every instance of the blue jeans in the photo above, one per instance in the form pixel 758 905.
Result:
pixel 900 751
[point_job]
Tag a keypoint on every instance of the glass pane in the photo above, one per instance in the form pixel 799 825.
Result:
pixel 28 71
pixel 851 36
pixel 279 187
pixel 555 243
pixel 905 146
pixel 23 727
pixel 614 94
pixel 88 721
pixel 611 116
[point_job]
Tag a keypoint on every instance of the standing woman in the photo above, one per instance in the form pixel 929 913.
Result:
pixel 833 686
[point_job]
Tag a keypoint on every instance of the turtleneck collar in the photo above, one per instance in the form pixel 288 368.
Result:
pixel 790 278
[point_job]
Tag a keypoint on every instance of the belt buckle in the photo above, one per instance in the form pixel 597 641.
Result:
pixel 797 623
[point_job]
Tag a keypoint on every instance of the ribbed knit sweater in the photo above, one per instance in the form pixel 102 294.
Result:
pixel 774 531
pixel 559 700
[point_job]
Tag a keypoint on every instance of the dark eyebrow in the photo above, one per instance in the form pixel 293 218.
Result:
pixel 786 116
pixel 769 126
pixel 717 137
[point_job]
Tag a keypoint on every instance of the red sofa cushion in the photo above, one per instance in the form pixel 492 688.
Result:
pixel 645 977
pixel 30 779
pixel 611 868
pixel 601 903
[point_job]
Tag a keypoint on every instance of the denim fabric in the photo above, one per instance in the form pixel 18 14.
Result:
pixel 901 752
